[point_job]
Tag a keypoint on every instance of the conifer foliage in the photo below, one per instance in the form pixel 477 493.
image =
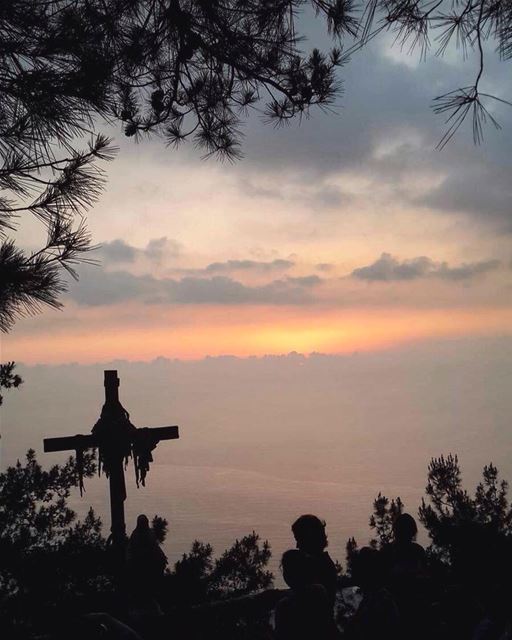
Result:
pixel 450 512
pixel 47 555
pixel 9 379
pixel 450 515
pixel 182 70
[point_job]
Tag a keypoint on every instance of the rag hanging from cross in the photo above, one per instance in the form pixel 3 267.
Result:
pixel 116 439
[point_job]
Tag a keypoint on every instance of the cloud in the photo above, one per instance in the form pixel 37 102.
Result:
pixel 118 251
pixel 385 132
pixel 159 248
pixel 253 190
pixel 249 265
pixel 380 97
pixel 224 290
pixel 305 281
pixel 466 270
pixel 483 192
pixel 388 268
pixel 105 288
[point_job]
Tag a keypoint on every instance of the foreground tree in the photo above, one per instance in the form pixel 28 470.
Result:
pixel 47 555
pixel 240 570
pixel 231 595
pixel 451 516
pixel 54 565
pixel 178 70
pixel 384 514
pixel 9 379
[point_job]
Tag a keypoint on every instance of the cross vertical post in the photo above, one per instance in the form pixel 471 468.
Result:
pixel 117 482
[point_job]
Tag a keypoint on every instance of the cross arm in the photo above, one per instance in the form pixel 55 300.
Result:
pixel 72 443
pixel 160 433
pixel 69 443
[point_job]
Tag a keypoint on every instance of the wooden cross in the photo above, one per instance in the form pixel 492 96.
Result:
pixel 116 438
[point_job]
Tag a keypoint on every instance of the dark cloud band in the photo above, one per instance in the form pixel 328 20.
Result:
pixel 388 268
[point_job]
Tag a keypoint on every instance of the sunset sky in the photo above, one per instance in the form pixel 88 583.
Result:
pixel 345 232
pixel 361 278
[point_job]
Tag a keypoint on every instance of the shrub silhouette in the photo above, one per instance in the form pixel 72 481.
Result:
pixel 52 564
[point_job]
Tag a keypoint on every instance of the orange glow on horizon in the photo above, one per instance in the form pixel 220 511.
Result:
pixel 199 332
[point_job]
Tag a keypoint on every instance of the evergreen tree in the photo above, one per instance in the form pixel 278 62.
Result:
pixel 450 515
pixel 470 555
pixel 47 556
pixel 450 511
pixel 384 514
pixel 240 570
pixel 9 379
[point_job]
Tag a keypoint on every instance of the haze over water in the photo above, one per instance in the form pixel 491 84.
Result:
pixel 263 440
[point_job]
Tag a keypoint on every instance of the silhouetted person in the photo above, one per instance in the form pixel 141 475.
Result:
pixel 310 536
pixel 406 568
pixel 306 613
pixel 408 558
pixel 146 561
pixel 377 615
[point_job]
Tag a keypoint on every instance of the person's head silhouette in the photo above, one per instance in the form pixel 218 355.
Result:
pixel 309 534
pixel 142 522
pixel 297 567
pixel 142 534
pixel 404 529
